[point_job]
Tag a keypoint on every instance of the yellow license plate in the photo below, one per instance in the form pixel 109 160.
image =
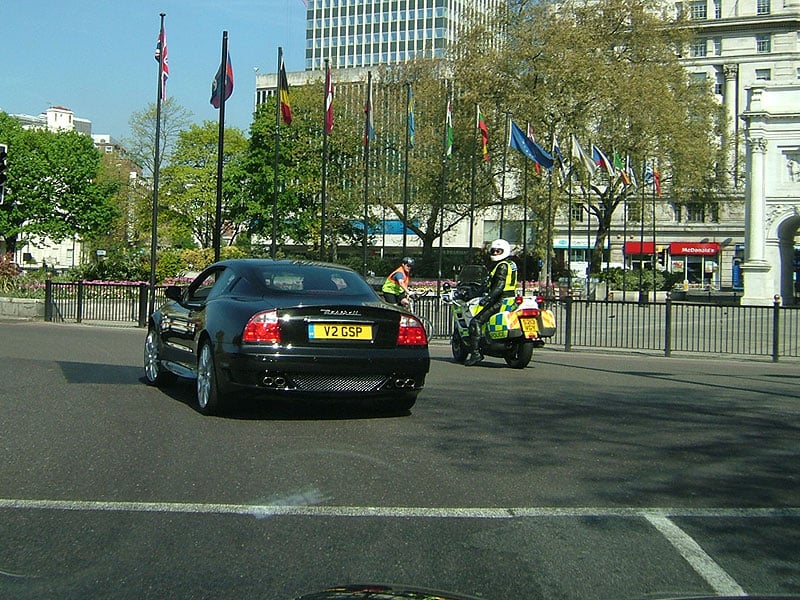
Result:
pixel 339 331
pixel 529 327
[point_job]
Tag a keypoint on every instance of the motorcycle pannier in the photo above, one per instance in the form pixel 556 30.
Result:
pixel 547 323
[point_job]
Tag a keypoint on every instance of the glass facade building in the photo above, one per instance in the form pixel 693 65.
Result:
pixel 359 33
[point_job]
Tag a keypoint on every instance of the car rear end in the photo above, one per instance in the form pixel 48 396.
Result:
pixel 331 350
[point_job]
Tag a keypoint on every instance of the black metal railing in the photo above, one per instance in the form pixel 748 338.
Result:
pixel 124 303
pixel 664 327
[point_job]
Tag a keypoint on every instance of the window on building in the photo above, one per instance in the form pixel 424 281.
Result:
pixel 763 44
pixel 698 10
pixel 717 9
pixel 578 213
pixel 698 48
pixel 763 74
pixel 717 46
pixel 762 7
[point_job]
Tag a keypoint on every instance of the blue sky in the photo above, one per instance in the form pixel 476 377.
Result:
pixel 96 57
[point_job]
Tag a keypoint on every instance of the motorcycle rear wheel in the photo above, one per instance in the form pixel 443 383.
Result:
pixel 459 348
pixel 519 355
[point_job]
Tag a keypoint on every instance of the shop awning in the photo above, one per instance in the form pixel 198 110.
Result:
pixel 639 248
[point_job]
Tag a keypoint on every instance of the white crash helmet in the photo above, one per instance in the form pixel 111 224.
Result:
pixel 499 249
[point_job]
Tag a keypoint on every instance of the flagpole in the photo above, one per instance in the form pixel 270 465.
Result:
pixel 569 219
pixel 503 180
pixel 525 229
pixel 274 246
pixel 324 157
pixel 220 146
pixel 655 258
pixel 409 108
pixel 642 299
pixel 448 113
pixel 367 112
pixel 473 176
pixel 156 163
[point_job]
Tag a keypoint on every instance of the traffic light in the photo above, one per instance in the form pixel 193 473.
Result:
pixel 3 167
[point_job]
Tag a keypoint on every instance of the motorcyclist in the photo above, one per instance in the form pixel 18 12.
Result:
pixel 502 284
pixel 395 288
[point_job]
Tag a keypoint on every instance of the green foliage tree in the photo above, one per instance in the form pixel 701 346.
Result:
pixel 187 198
pixel 54 188
pixel 608 72
pixel 140 144
pixel 299 174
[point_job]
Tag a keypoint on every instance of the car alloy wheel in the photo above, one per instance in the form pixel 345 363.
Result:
pixel 153 371
pixel 207 393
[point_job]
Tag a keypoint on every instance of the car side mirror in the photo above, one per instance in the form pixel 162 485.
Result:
pixel 174 292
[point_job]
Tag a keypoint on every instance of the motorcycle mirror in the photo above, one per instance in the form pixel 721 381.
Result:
pixel 446 286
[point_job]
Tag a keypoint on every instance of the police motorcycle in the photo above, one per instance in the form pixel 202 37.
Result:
pixel 521 324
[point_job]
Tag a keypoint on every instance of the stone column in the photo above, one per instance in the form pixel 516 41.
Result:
pixel 730 73
pixel 755 204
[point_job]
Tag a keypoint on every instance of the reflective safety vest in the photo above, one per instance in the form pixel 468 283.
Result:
pixel 510 285
pixel 390 286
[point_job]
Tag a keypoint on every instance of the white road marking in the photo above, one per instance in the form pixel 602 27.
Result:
pixel 319 510
pixel 690 550
pixel 722 583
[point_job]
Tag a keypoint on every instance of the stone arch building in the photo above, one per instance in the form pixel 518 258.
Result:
pixel 772 193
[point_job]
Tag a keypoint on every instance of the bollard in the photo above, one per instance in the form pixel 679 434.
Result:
pixel 776 312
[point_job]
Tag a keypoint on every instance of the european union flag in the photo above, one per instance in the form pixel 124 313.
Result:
pixel 519 141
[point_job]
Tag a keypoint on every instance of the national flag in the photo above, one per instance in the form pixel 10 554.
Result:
pixel 328 100
pixel 619 165
pixel 412 126
pixel 283 87
pixel 369 126
pixel 481 122
pixel 630 172
pixel 519 141
pixel 652 177
pixel 216 85
pixel 161 49
pixel 557 152
pixel 448 130
pixel 601 160
pixel 536 165
pixel 559 156
pixel 579 154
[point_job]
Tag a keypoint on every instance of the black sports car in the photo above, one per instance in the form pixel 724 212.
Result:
pixel 286 328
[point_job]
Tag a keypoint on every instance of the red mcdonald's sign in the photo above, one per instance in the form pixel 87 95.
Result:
pixel 694 248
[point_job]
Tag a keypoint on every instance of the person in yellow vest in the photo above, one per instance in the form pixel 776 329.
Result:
pixel 395 288
pixel 502 284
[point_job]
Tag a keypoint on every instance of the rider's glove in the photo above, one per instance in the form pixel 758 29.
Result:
pixel 484 301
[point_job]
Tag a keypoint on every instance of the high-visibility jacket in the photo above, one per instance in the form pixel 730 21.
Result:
pixel 503 283
pixel 391 286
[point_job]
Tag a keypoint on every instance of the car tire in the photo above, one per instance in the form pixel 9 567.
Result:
pixel 519 355
pixel 209 399
pixel 154 372
pixel 458 347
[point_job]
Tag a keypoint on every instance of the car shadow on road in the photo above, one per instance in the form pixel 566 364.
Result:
pixel 259 408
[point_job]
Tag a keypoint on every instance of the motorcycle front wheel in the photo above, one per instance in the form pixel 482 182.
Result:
pixel 519 355
pixel 459 348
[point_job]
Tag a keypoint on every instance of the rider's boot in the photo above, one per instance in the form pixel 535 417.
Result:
pixel 475 355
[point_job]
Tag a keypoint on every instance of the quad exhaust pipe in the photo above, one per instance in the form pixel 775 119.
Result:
pixel 274 382
pixel 404 383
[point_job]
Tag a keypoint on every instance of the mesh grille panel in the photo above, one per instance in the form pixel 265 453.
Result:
pixel 337 383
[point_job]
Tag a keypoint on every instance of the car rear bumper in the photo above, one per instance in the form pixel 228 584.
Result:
pixel 296 371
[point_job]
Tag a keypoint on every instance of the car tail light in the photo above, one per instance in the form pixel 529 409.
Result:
pixel 528 312
pixel 411 332
pixel 263 328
